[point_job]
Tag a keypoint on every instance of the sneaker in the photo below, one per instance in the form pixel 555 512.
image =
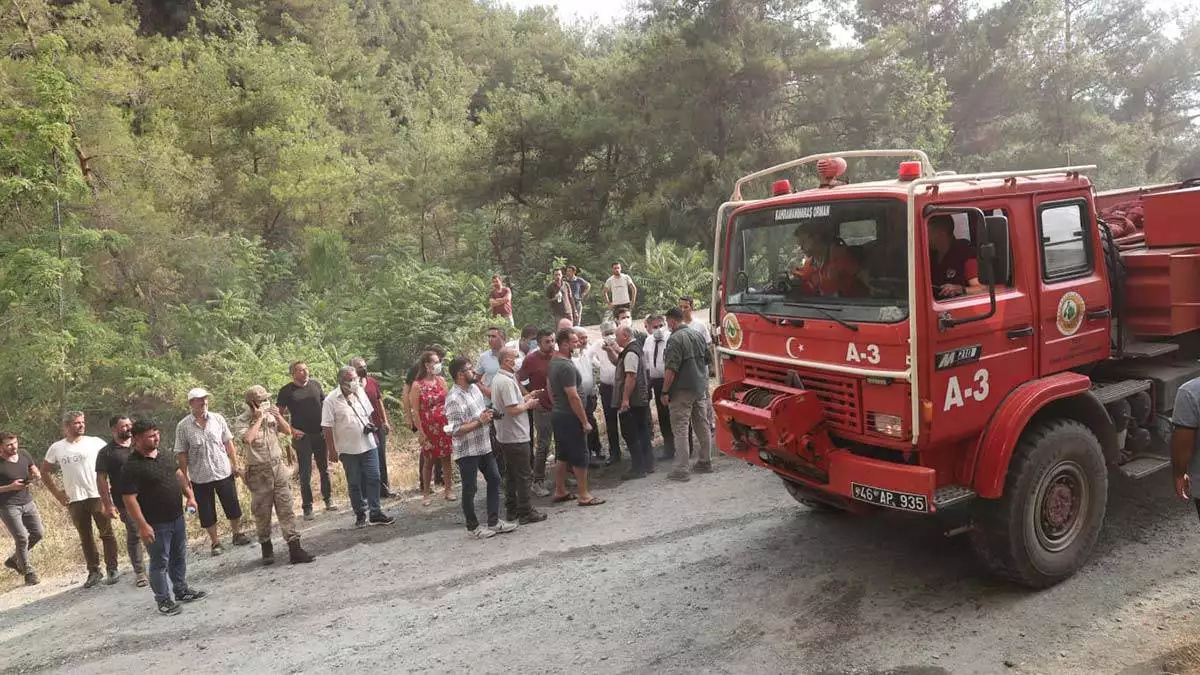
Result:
pixel 217 549
pixel 94 577
pixel 11 564
pixel 169 607
pixel 142 580
pixel 540 490
pixel 381 519
pixel 386 493
pixel 240 539
pixel 31 579
pixel 330 506
pixel 702 467
pixel 360 521
pixel 308 515
pixel 679 475
pixel 533 516
pixel 481 533
pixel 113 576
pixel 503 526
pixel 191 595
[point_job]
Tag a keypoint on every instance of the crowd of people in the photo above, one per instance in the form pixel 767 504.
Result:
pixel 497 414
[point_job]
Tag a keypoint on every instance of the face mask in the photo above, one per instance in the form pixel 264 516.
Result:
pixel 351 387
pixel 124 435
pixel 626 322
pixel 659 333
pixel 437 369
pixel 362 372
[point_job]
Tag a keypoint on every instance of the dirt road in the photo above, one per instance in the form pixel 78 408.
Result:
pixel 723 574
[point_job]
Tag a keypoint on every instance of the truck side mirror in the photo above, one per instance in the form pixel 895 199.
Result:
pixel 993 254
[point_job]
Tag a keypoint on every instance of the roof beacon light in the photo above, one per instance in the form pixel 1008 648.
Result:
pixel 830 169
pixel 910 170
pixel 781 187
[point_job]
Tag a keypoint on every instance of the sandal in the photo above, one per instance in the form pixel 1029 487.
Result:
pixel 427 502
pixel 558 499
pixel 451 497
pixel 594 501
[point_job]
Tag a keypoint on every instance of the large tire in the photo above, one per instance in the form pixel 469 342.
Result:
pixel 1044 527
pixel 801 496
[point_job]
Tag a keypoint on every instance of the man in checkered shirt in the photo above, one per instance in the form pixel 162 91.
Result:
pixel 468 417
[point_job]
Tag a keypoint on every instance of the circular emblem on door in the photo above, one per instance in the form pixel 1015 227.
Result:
pixel 732 330
pixel 1070 313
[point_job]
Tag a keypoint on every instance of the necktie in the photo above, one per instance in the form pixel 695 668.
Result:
pixel 657 346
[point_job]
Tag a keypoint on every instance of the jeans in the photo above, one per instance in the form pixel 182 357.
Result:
pixel 362 481
pixel 545 432
pixel 689 412
pixel 469 469
pixel 24 523
pixel 309 448
pixel 635 426
pixel 133 543
pixel 517 475
pixel 168 559
pixel 83 513
pixel 382 435
pixel 593 439
pixel 611 421
pixel 664 419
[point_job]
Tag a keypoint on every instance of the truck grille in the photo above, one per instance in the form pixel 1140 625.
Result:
pixel 839 395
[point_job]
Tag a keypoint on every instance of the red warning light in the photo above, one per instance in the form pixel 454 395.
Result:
pixel 781 187
pixel 910 170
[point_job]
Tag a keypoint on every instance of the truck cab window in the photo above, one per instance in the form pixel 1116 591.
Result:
pixel 953 268
pixel 1065 250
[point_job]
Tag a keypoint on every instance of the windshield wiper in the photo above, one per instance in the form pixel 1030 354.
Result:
pixel 828 314
pixel 754 310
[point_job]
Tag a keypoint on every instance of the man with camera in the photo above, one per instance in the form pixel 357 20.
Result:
pixel 350 439
pixel 267 474
pixel 468 416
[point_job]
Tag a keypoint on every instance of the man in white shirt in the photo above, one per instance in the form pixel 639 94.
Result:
pixel 619 290
pixel 208 459
pixel 350 439
pixel 654 349
pixel 604 355
pixel 588 391
pixel 76 455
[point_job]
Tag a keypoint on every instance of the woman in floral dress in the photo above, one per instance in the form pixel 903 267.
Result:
pixel 428 398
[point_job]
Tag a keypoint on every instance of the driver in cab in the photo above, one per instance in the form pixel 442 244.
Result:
pixel 953 268
pixel 823 265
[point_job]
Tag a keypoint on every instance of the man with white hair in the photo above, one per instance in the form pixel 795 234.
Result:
pixel 604 358
pixel 208 459
pixel 582 358
pixel 350 439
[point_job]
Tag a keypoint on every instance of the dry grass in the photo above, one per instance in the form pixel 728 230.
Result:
pixel 59 553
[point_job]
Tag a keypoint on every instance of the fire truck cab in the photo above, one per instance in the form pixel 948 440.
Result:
pixel 942 343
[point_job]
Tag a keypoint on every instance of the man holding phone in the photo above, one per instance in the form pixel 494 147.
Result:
pixel 17 510
pixel 513 437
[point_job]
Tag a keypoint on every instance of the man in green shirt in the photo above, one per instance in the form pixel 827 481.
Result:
pixel 685 391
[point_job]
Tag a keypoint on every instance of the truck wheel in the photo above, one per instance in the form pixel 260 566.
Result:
pixel 1044 527
pixel 801 496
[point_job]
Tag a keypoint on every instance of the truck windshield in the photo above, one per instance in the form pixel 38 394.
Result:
pixel 847 258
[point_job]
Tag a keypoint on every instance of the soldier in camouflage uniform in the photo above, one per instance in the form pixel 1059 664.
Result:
pixel 267 473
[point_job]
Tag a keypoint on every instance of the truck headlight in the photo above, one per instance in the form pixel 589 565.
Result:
pixel 888 425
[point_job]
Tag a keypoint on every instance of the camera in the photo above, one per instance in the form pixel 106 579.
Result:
pixel 369 429
pixel 496 412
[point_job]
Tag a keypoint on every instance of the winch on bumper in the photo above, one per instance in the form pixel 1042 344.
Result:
pixel 783 429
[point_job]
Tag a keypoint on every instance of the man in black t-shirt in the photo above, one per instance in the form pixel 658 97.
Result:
pixel 300 400
pixel 109 463
pixel 17 510
pixel 155 492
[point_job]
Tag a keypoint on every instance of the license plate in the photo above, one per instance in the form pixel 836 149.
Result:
pixel 901 501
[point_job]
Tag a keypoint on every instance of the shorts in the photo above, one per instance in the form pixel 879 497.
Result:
pixel 570 444
pixel 206 500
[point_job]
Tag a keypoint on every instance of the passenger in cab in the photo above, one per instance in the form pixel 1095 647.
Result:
pixel 824 265
pixel 952 265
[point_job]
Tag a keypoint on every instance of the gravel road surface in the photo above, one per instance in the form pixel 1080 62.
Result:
pixel 725 574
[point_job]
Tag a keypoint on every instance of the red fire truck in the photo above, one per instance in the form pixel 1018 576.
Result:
pixel 858 367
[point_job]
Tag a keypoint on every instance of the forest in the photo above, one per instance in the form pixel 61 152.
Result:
pixel 199 192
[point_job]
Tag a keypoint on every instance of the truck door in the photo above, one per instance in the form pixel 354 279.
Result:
pixel 975 364
pixel 1073 303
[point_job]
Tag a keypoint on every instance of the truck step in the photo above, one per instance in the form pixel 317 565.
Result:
pixel 949 495
pixel 1144 465
pixel 1148 350
pixel 1108 392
